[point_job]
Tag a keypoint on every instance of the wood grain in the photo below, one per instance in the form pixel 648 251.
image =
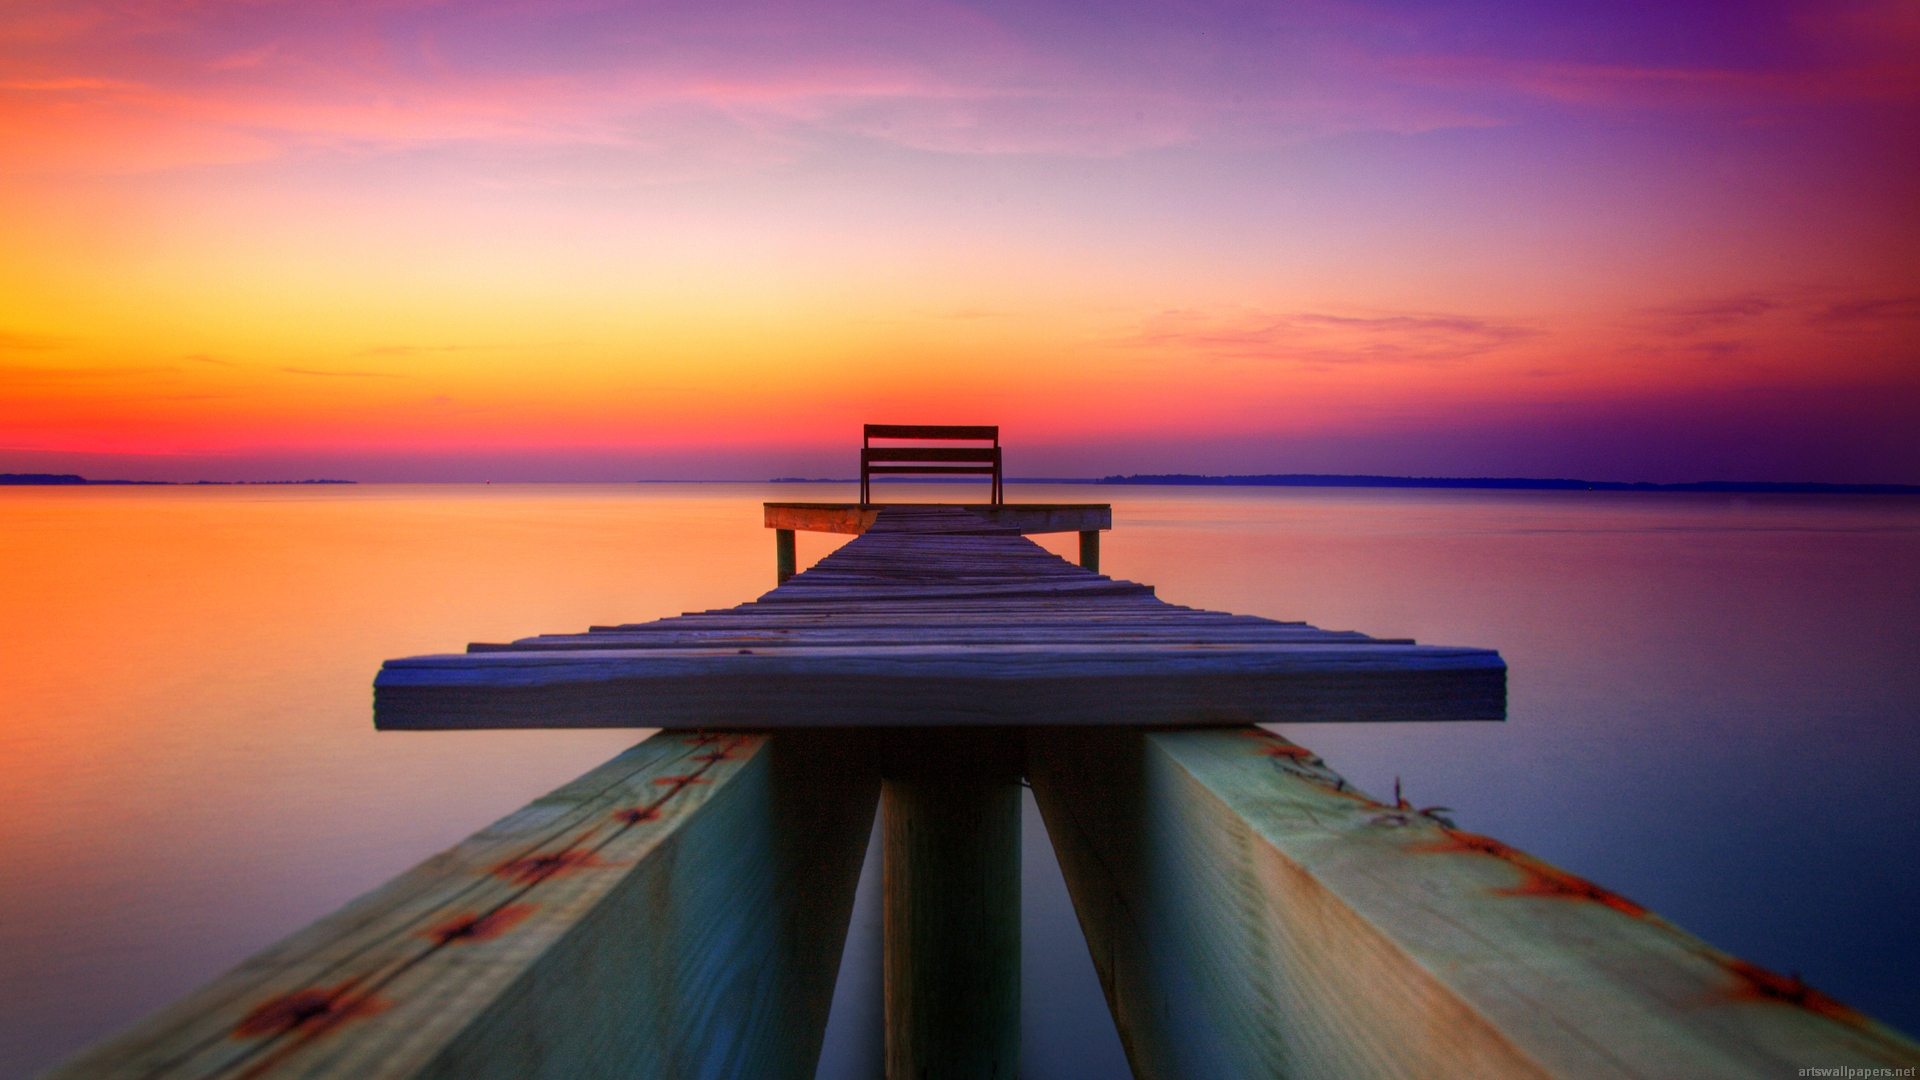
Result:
pixel 870 454
pixel 1025 518
pixel 1250 914
pixel 678 912
pixel 783 556
pixel 932 431
pixel 950 813
pixel 935 616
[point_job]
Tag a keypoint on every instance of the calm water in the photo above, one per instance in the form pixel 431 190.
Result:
pixel 1715 706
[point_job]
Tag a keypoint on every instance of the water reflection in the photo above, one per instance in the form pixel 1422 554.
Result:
pixel 1714 700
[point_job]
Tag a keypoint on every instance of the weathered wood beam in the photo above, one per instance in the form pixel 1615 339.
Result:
pixel 897 686
pixel 950 814
pixel 933 431
pixel 1090 550
pixel 785 561
pixel 848 518
pixel 1026 518
pixel 1250 914
pixel 1034 518
pixel 677 912
pixel 849 632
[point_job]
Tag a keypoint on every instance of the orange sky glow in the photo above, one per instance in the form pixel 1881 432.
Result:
pixel 606 241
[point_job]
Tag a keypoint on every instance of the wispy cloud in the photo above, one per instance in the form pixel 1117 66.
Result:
pixel 1320 339
pixel 30 342
pixel 1891 309
pixel 1750 315
pixel 1771 332
pixel 245 58
pixel 342 374
pixel 24 375
pixel 1687 319
pixel 177 83
pixel 1617 86
pixel 412 350
pixel 66 85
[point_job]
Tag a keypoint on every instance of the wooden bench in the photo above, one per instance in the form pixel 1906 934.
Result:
pixel 925 460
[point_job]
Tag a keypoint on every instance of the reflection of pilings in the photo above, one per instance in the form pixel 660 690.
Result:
pixel 784 561
pixel 950 813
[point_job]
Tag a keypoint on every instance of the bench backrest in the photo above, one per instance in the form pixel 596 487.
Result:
pixel 923 460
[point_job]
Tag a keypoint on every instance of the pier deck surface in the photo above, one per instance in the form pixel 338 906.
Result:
pixel 1025 518
pixel 936 616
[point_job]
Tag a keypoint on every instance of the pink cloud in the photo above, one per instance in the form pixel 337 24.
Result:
pixel 154 85
pixel 1626 86
pixel 1319 340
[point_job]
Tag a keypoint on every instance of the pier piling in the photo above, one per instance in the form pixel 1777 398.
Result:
pixel 950 810
pixel 784 559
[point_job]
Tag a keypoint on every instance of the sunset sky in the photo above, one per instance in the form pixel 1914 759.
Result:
pixel 575 240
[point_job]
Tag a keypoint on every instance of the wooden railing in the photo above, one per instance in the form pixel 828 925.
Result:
pixel 1251 914
pixel 680 912
pixel 677 912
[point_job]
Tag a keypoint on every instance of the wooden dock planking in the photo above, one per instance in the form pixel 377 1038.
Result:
pixel 988 634
pixel 911 686
pixel 677 912
pixel 934 616
pixel 1025 518
pixel 1250 914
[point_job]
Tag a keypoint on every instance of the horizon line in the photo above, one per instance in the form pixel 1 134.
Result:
pixel 1359 480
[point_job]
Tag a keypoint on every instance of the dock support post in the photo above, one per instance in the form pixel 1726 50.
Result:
pixel 950 814
pixel 1090 549
pixel 783 556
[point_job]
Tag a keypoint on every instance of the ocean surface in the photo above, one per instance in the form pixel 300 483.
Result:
pixel 1715 707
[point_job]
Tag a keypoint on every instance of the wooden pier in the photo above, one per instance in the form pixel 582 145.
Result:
pixel 1027 519
pixel 935 617
pixel 681 911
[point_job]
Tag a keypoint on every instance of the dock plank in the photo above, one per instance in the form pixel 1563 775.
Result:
pixel 936 616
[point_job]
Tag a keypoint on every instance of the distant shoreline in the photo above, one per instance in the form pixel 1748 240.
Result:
pixel 1744 487
pixel 73 480
pixel 1320 480
pixel 1488 483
